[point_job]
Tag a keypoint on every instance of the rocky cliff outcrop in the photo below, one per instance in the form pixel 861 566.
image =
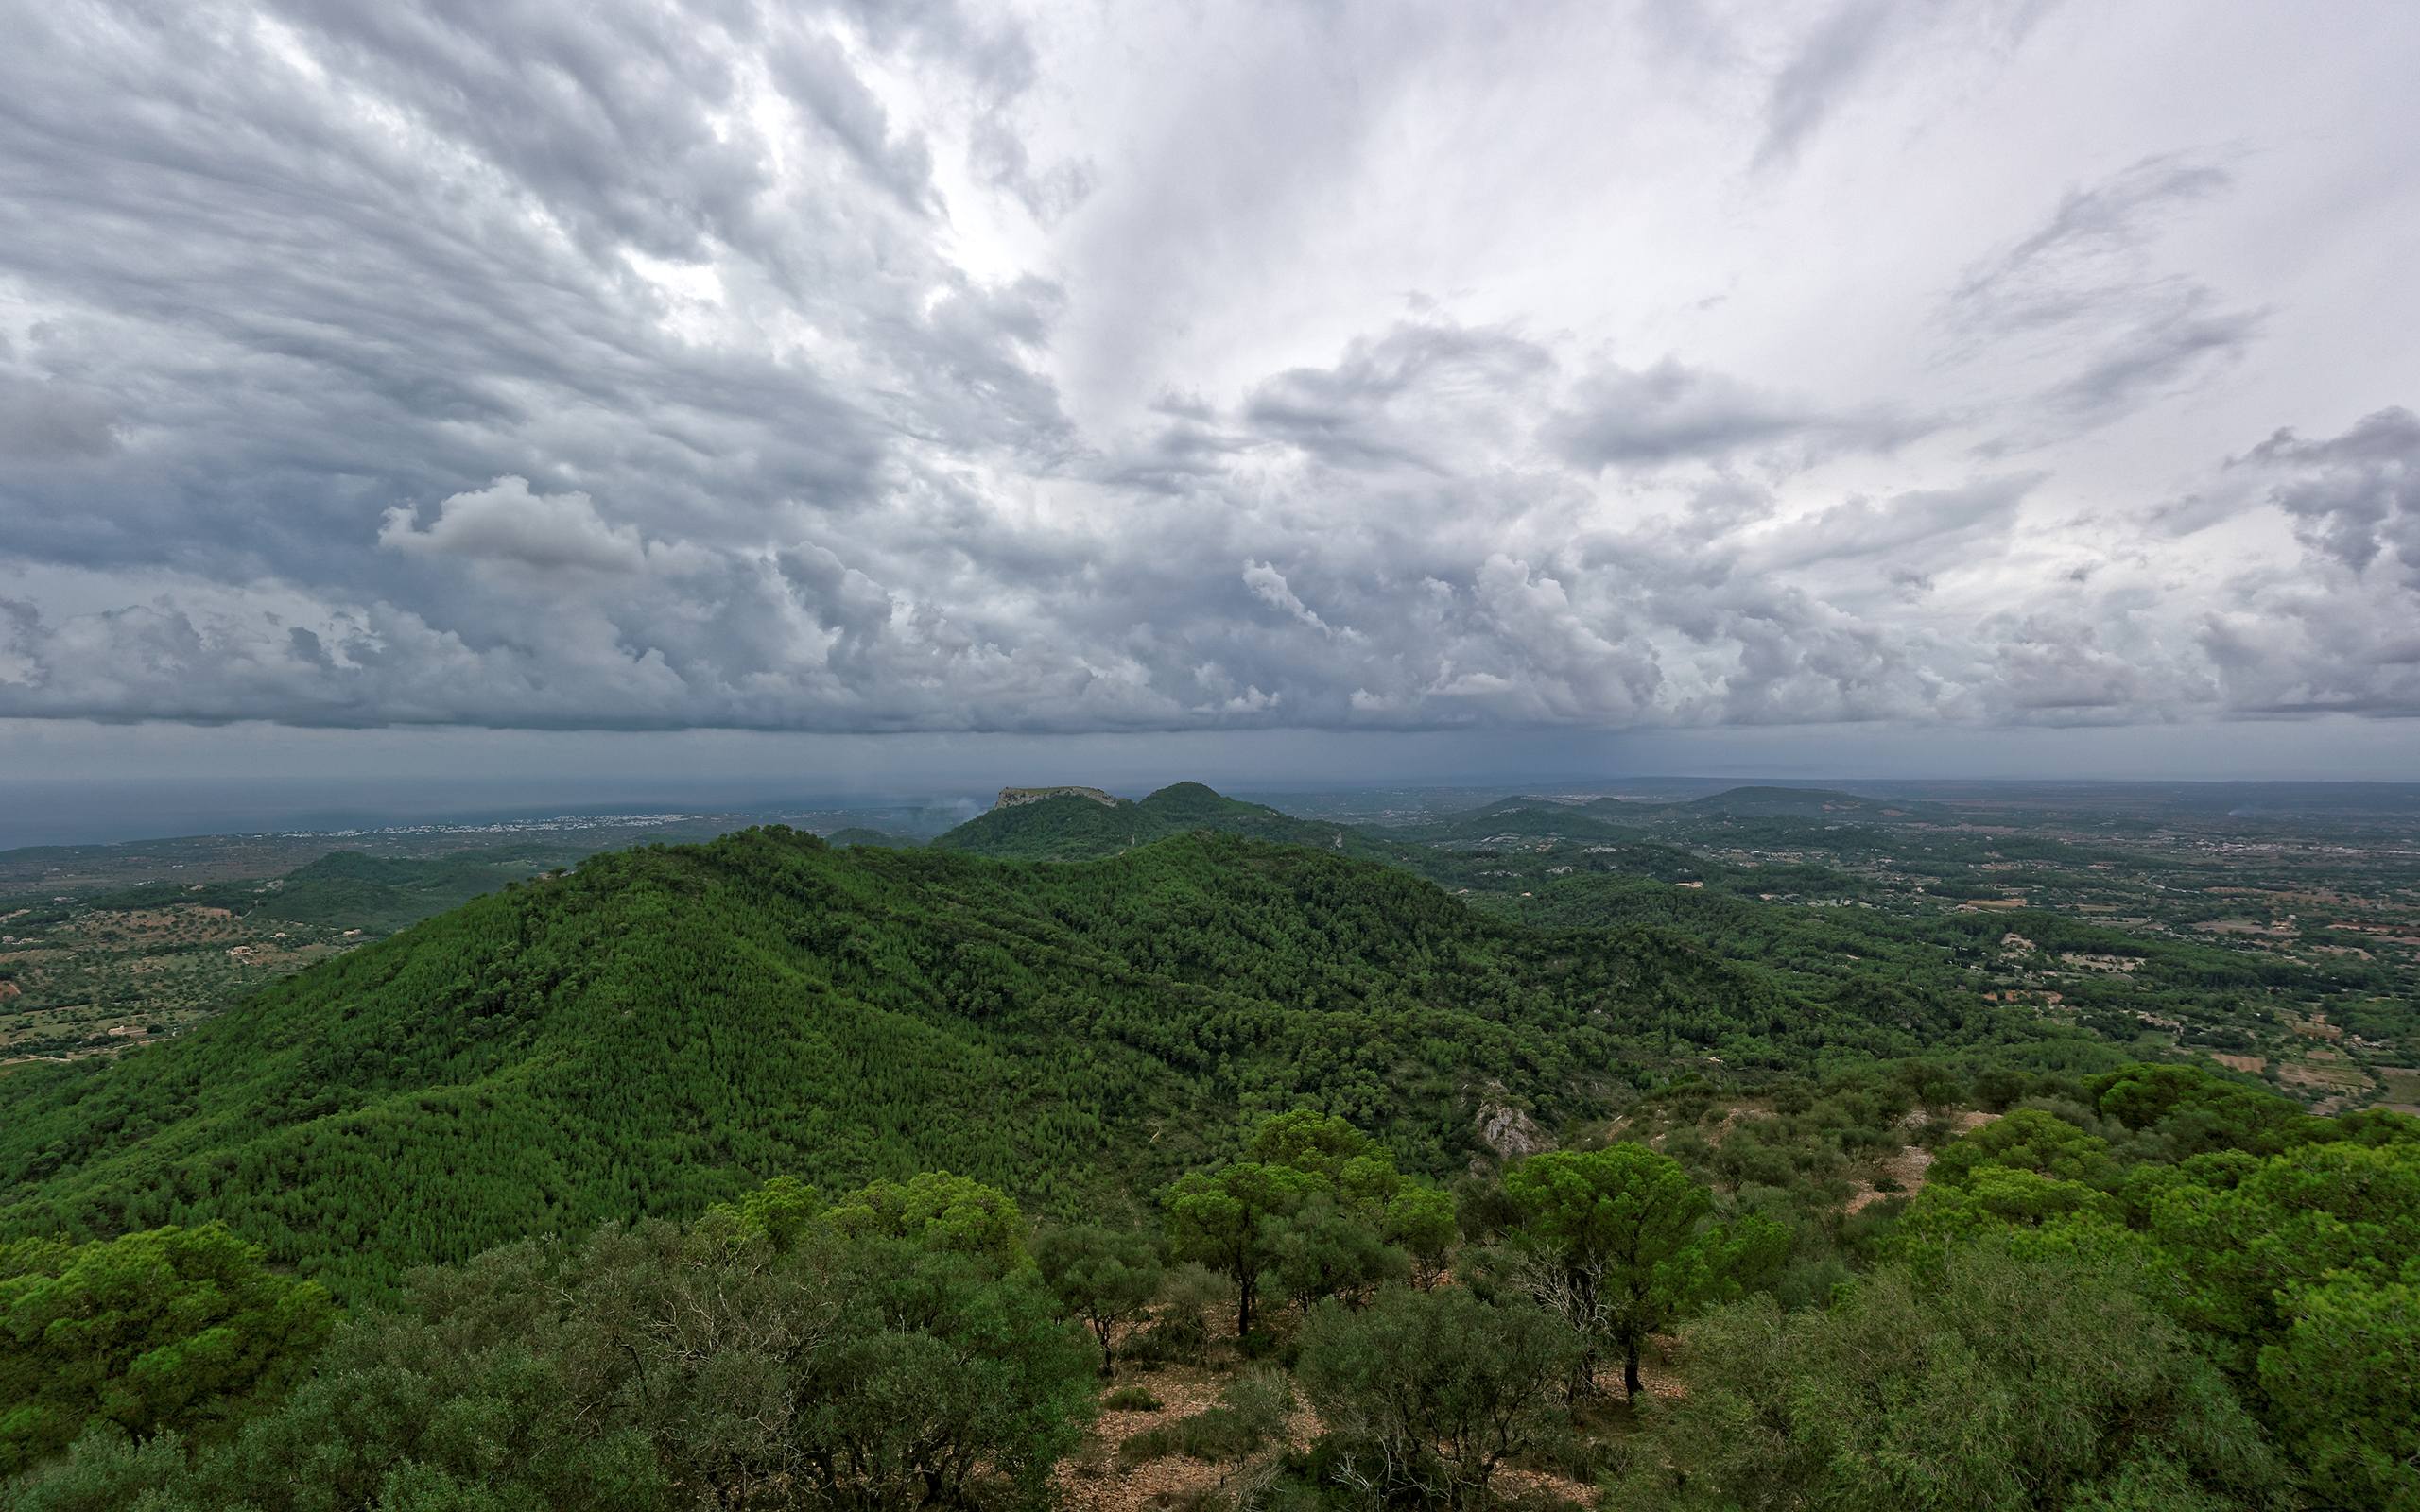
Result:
pixel 1012 796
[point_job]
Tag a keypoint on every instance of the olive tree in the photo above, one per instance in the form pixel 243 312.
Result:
pixel 1425 1394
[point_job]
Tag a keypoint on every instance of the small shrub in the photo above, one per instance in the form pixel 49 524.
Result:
pixel 1131 1398
pixel 1091 1461
pixel 1173 1338
pixel 1177 1333
pixel 1250 1413
pixel 1425 1395
pixel 1261 1399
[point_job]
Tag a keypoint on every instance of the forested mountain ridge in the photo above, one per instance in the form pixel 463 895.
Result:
pixel 1066 826
pixel 1953 1251
pixel 666 1026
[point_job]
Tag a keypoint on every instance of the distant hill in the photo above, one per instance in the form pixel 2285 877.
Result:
pixel 1802 803
pixel 1530 819
pixel 670 1025
pixel 344 889
pixel 1076 825
pixel 858 835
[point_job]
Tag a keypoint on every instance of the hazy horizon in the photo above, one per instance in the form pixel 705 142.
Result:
pixel 839 394
pixel 134 805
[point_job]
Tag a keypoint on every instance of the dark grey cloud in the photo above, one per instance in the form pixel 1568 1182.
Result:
pixel 2335 632
pixel 1670 412
pixel 2057 668
pixel 2355 497
pixel 2167 349
pixel 47 420
pixel 645 366
pixel 2087 257
pixel 1911 528
pixel 2086 293
pixel 1381 405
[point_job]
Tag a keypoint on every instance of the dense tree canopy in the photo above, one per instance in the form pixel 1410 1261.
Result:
pixel 664 1028
pixel 653 1369
pixel 173 1329
pixel 2002 1384
pixel 1196 1100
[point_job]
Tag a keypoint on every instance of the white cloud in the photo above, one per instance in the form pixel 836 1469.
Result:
pixel 505 522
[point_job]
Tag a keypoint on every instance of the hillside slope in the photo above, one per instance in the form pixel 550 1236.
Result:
pixel 667 1027
pixel 1067 826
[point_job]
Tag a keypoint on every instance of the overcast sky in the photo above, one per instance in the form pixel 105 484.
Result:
pixel 1934 381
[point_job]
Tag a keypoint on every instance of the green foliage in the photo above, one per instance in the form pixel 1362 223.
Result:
pixel 2185 1110
pixel 655 1033
pixel 1305 1207
pixel 1320 1144
pixel 1619 1243
pixel 938 1212
pixel 1425 1395
pixel 346 889
pixel 2240 1252
pixel 1103 1277
pixel 1221 1219
pixel 2287 1259
pixel 2344 1381
pixel 655 1369
pixel 1131 1398
pixel 1422 1223
pixel 105 1471
pixel 172 1329
pixel 1325 1250
pixel 780 1213
pixel 1179 1332
pixel 2030 1139
pixel 2007 1384
pixel 1065 827
pixel 1991 1198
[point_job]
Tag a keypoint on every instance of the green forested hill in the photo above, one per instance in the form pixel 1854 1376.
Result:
pixel 1068 828
pixel 1808 802
pixel 667 1027
pixel 343 888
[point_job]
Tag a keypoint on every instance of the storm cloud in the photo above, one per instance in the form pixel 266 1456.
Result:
pixel 954 367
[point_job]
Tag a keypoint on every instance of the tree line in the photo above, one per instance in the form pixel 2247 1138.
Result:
pixel 2147 1288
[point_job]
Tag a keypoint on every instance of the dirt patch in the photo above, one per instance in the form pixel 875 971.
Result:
pixel 1734 1116
pixel 1092 1478
pixel 1906 1170
pixel 2250 1065
pixel 2245 926
pixel 2091 962
pixel 2330 1075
